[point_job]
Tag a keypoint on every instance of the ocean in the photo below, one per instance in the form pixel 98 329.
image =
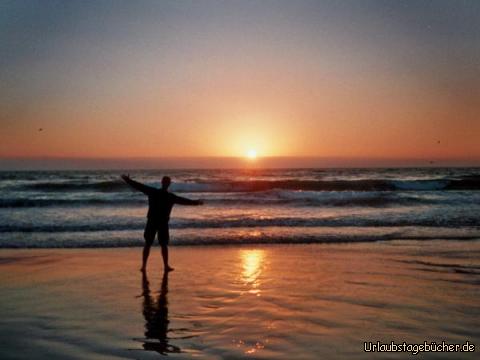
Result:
pixel 88 209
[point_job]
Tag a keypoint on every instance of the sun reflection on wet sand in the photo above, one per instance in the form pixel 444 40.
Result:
pixel 252 262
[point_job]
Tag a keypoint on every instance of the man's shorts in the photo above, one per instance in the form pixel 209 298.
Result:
pixel 152 228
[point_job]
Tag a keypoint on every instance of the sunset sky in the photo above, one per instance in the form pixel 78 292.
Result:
pixel 330 79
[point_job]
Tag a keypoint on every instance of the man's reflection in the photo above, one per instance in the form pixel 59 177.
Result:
pixel 156 318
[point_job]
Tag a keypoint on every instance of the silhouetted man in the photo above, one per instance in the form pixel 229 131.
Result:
pixel 160 203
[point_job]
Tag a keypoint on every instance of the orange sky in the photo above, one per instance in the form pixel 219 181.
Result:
pixel 179 79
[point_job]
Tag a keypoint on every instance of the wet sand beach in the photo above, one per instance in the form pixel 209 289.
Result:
pixel 267 301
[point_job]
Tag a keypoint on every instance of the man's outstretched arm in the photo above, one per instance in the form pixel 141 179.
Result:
pixel 147 190
pixel 184 201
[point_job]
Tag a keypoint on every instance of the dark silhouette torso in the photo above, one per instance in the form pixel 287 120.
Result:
pixel 160 204
pixel 160 201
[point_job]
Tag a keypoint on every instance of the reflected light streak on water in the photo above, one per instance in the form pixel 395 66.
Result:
pixel 252 262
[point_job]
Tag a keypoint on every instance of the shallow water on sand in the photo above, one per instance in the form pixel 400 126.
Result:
pixel 270 301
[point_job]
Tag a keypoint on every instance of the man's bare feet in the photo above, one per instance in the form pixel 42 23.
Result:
pixel 169 268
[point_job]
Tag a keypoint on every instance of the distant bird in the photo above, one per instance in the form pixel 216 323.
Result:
pixel 438 142
pixel 40 129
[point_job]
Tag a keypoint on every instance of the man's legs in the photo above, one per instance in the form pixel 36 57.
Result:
pixel 149 236
pixel 165 257
pixel 163 239
pixel 146 252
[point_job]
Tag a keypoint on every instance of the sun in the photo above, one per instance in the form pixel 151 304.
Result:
pixel 252 154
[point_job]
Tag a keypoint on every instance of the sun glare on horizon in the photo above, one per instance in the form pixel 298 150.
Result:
pixel 252 154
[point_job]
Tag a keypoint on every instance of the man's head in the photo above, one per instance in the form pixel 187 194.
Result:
pixel 166 181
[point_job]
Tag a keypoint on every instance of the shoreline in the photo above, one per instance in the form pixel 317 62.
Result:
pixel 228 244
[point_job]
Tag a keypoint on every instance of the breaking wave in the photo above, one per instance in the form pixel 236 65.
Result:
pixel 261 198
pixel 248 222
pixel 466 183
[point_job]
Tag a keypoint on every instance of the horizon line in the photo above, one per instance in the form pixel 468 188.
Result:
pixel 425 158
pixel 223 162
